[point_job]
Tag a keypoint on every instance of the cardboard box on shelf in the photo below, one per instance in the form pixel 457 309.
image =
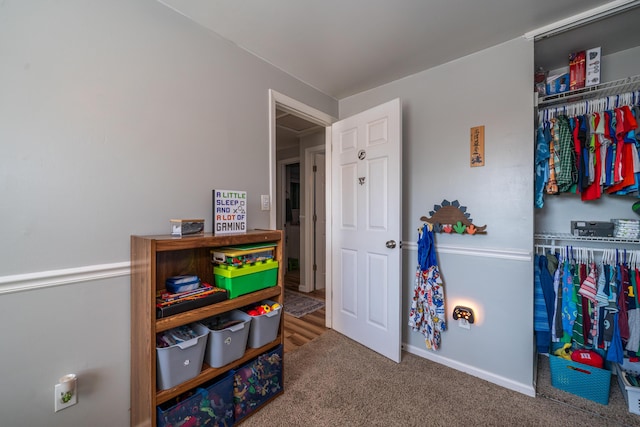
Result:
pixel 593 66
pixel 577 70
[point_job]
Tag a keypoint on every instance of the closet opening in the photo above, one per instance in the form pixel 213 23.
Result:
pixel 587 233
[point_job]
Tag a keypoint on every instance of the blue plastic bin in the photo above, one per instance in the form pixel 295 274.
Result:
pixel 582 380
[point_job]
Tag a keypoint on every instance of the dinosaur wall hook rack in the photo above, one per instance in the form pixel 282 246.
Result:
pixel 450 217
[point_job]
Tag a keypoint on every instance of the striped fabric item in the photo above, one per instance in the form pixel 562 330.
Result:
pixel 589 288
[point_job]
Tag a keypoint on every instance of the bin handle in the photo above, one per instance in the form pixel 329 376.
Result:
pixel 584 371
pixel 272 312
pixel 187 344
pixel 236 327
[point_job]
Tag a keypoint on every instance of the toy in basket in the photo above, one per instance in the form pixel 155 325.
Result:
pixel 265 322
pixel 629 382
pixel 256 382
pixel 582 379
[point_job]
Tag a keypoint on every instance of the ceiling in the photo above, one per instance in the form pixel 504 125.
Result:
pixel 343 47
pixel 290 127
pixel 291 123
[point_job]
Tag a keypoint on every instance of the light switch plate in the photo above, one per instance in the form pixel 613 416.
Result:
pixel 264 202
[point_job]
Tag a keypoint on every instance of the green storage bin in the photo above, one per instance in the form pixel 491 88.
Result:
pixel 247 278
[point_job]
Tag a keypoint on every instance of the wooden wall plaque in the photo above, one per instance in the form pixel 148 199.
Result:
pixel 476 157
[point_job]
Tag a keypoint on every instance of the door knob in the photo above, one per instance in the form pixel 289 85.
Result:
pixel 391 244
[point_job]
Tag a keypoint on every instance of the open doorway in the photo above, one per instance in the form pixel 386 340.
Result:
pixel 298 141
pixel 300 200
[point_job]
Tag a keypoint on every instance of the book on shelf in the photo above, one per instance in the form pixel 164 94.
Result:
pixel 169 296
pixel 169 308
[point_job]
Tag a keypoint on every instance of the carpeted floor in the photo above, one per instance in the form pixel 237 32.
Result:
pixel 334 381
pixel 298 305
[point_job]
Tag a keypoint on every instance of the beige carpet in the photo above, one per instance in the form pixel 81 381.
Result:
pixel 333 381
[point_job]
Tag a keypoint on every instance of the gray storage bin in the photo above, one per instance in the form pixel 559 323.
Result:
pixel 264 328
pixel 181 362
pixel 228 344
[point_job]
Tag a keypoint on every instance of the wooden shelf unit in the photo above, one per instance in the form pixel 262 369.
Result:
pixel 153 259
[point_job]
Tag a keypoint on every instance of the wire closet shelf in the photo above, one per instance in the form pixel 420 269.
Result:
pixel 603 90
pixel 566 237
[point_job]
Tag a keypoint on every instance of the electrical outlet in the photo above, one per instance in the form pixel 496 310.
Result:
pixel 265 202
pixel 65 394
pixel 464 323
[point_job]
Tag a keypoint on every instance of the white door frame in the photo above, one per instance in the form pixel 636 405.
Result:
pixel 281 200
pixel 316 116
pixel 308 217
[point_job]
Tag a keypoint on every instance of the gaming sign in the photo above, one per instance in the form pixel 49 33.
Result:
pixel 229 212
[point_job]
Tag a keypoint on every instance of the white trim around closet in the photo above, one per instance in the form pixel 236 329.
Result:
pixel 48 279
pixel 584 18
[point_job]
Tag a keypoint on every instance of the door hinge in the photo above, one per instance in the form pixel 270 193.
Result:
pixel 315 168
pixel 315 267
pixel 315 218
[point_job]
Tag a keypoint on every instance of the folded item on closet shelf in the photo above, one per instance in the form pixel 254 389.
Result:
pixel 626 228
pixel 557 84
pixel 626 222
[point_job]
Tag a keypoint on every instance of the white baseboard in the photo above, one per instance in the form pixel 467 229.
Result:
pixel 527 389
pixel 47 279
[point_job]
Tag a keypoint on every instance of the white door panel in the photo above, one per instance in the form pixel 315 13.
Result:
pixel 349 301
pixel 377 200
pixel 366 202
pixel 348 197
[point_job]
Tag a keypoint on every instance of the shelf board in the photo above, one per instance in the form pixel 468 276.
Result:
pixel 167 242
pixel 179 319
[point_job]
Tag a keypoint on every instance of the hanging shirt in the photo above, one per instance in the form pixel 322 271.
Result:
pixel 566 153
pixel 611 149
pixel 578 325
pixel 623 321
pixel 633 343
pixel 594 188
pixel 542 164
pixel 552 183
pixel 569 308
pixel 558 318
pixel 624 161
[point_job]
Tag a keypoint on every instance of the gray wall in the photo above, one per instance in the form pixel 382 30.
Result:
pixel 115 116
pixel 112 131
pixel 492 273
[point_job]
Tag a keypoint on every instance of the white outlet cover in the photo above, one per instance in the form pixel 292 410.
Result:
pixel 59 405
pixel 464 323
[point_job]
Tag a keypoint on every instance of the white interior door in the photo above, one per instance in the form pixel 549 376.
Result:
pixel 366 197
pixel 320 220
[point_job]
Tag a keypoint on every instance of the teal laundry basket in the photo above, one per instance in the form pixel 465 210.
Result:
pixel 582 380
